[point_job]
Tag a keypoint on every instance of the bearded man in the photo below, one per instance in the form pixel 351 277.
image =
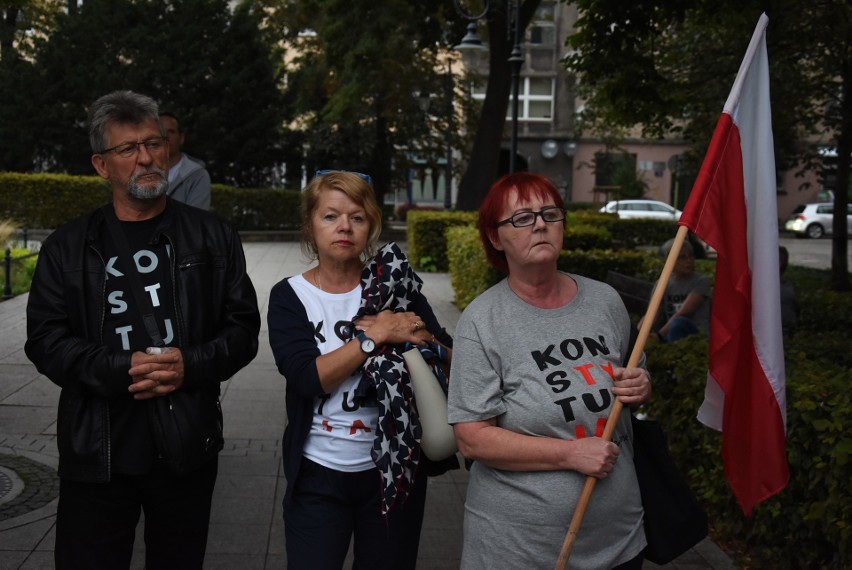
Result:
pixel 135 308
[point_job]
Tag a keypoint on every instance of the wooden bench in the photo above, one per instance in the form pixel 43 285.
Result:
pixel 635 292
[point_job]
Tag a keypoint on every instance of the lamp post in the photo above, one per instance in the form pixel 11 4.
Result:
pixel 471 41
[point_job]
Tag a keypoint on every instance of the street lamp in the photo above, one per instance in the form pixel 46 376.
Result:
pixel 471 42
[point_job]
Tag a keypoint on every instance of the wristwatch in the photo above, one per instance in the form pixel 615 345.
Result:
pixel 368 345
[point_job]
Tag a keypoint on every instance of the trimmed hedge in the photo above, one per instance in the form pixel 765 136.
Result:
pixel 257 208
pixel 49 200
pixel 596 262
pixel 428 244
pixel 583 236
pixel 470 273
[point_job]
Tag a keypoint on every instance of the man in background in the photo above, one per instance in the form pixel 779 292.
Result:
pixel 189 182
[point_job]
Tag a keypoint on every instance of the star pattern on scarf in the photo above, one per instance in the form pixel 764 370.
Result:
pixel 389 283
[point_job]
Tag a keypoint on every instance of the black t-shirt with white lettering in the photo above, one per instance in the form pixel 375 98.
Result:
pixel 132 448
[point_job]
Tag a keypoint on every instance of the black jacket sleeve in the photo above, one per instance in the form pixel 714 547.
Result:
pixel 292 341
pixel 61 346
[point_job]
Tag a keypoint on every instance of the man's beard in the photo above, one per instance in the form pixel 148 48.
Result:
pixel 148 192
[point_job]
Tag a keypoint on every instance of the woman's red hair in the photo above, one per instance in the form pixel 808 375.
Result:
pixel 527 186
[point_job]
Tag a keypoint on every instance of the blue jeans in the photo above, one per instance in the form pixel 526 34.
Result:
pixel 679 328
pixel 328 507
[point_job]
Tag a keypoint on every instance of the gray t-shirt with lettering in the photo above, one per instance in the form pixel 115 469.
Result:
pixel 545 372
pixel 678 290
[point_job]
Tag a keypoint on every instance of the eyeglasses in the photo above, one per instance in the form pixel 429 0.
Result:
pixel 131 149
pixel 365 177
pixel 524 219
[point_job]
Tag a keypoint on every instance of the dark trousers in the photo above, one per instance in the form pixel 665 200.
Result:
pixel 329 507
pixel 96 522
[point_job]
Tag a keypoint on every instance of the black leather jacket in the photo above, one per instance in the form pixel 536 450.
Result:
pixel 216 314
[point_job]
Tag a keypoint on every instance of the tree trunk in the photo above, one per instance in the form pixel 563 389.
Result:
pixel 380 161
pixel 839 240
pixel 483 167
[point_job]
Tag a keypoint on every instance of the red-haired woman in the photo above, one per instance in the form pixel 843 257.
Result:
pixel 536 367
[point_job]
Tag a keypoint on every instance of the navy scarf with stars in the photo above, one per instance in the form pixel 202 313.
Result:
pixel 389 283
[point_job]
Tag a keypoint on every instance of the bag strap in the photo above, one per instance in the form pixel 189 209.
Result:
pixel 142 300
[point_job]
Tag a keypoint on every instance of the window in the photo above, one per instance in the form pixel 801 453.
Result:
pixel 535 98
pixel 541 33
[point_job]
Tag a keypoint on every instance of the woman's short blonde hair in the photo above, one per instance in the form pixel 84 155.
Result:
pixel 357 189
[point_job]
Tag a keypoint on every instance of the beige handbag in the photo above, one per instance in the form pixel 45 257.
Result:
pixel 437 441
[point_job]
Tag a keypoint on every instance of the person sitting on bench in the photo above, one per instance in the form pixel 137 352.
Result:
pixel 686 302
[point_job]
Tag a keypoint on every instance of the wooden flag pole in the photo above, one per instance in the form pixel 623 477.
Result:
pixel 615 412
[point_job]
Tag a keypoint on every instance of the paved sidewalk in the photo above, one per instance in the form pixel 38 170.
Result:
pixel 246 529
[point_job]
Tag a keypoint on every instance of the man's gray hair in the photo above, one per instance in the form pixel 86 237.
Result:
pixel 123 107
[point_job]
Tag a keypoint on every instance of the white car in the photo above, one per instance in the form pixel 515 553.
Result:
pixel 814 220
pixel 653 209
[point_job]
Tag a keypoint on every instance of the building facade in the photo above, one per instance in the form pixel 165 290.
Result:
pixel 549 144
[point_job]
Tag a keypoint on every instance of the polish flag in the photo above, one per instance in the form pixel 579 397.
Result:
pixel 733 208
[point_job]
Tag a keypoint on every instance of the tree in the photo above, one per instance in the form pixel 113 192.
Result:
pixel 21 21
pixel 213 68
pixel 668 65
pixel 484 164
pixel 358 66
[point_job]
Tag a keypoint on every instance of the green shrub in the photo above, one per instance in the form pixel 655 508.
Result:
pixel 49 200
pixel 263 209
pixel 7 230
pixel 23 267
pixel 582 206
pixel 426 236
pixel 582 236
pixel 822 309
pixel 595 263
pixel 816 505
pixel 641 232
pixel 470 273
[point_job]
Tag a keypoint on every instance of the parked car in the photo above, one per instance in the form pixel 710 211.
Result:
pixel 642 209
pixel 814 220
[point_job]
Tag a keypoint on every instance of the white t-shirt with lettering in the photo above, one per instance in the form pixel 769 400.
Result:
pixel 342 431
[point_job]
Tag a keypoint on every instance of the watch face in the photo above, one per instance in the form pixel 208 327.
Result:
pixel 368 346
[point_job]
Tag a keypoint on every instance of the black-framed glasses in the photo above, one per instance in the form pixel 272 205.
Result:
pixel 525 219
pixel 130 149
pixel 362 176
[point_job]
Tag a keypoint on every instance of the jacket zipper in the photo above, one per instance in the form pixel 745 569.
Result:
pixel 101 333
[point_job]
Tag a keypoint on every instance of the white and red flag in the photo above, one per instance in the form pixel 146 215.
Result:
pixel 733 207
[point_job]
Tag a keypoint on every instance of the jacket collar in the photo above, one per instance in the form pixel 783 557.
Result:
pixel 96 221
